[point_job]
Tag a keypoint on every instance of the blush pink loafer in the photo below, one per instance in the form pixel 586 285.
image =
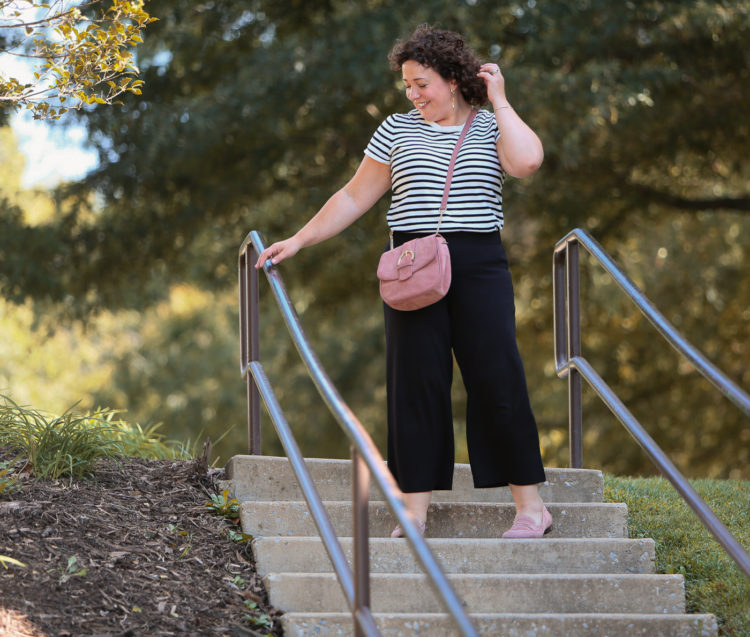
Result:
pixel 524 526
pixel 399 532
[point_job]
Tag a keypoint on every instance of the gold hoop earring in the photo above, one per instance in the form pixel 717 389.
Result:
pixel 453 99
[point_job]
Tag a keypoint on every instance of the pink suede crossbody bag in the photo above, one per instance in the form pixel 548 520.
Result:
pixel 418 273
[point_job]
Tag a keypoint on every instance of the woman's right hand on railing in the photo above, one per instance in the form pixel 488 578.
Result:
pixel 279 251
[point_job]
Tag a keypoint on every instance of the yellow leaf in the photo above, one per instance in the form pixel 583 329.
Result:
pixel 4 559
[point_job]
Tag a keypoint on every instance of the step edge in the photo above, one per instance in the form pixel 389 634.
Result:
pixel 666 616
pixel 299 539
pixel 383 503
pixel 238 458
pixel 665 577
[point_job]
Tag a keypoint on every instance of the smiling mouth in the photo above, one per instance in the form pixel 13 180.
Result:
pixel 420 104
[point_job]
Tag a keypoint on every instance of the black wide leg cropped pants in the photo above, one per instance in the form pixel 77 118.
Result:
pixel 476 322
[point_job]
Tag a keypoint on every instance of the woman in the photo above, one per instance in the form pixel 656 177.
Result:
pixel 409 154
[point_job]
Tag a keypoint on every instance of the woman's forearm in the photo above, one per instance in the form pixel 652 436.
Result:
pixel 369 183
pixel 338 213
pixel 335 215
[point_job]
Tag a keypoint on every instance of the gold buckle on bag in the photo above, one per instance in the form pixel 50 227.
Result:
pixel 403 254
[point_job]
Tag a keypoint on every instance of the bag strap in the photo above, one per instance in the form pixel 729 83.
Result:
pixel 452 164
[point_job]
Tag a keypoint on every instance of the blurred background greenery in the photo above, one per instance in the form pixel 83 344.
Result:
pixel 119 290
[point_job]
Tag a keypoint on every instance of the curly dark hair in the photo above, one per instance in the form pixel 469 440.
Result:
pixel 444 52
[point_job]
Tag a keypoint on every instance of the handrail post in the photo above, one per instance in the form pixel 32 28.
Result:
pixel 559 310
pixel 250 341
pixel 361 548
pixel 575 417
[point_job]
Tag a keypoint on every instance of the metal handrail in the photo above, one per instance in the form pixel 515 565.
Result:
pixel 366 459
pixel 570 363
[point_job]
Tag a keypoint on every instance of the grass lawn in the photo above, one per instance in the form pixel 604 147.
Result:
pixel 713 582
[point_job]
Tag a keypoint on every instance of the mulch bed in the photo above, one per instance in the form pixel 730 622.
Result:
pixel 132 551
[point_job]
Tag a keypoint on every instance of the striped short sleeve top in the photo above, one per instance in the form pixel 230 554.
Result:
pixel 419 152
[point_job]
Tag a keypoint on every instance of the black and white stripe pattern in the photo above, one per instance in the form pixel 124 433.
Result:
pixel 419 152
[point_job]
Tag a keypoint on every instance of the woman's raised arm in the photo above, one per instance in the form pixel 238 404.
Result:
pixel 519 149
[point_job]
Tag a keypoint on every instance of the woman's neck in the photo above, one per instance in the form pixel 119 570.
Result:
pixel 458 116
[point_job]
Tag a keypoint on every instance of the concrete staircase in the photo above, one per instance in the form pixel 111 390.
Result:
pixel 584 578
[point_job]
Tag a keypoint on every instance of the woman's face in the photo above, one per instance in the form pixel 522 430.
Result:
pixel 428 91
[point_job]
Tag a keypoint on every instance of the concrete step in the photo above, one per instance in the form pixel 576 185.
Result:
pixel 564 555
pixel 549 593
pixel 271 478
pixel 447 519
pixel 584 578
pixel 536 625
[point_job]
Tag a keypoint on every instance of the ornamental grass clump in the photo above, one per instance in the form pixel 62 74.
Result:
pixel 70 444
pixel 55 446
pixel 136 441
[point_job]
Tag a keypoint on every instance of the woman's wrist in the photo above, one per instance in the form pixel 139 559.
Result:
pixel 500 105
pixel 299 239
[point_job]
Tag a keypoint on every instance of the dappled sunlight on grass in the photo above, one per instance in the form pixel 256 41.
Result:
pixel 713 582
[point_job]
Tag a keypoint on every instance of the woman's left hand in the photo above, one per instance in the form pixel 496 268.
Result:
pixel 495 82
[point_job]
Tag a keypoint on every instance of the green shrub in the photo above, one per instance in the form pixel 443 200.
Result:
pixel 713 582
pixel 224 506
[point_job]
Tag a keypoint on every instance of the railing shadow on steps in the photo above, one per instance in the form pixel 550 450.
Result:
pixel 366 459
pixel 571 363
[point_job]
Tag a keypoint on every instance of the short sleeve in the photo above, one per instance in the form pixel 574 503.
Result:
pixel 495 129
pixel 381 143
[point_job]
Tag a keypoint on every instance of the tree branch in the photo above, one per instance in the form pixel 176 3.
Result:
pixel 688 203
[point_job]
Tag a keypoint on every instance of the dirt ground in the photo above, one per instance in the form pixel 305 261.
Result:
pixel 133 551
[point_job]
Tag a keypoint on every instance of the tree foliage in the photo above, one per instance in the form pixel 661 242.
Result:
pixel 81 52
pixel 255 112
